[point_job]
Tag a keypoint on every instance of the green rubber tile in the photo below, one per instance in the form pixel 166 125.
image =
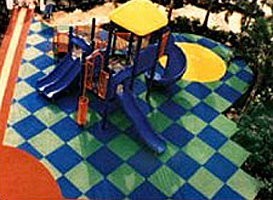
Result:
pixel 31 53
pixel 205 182
pixel 125 178
pixel 235 153
pixel 46 142
pixel 123 146
pixel 52 170
pixel 166 180
pixel 185 99
pixel 222 51
pixel 198 150
pixel 84 144
pixel 50 115
pixel 22 89
pixel 217 102
pixel 36 27
pixel 182 83
pixel 247 68
pixel 170 151
pixel 244 184
pixel 12 138
pixel 224 125
pixel 84 176
pixel 156 99
pixel 213 85
pixel 233 68
pixel 119 119
pixel 17 113
pixel 192 37
pixel 159 121
pixel 27 70
pixel 237 84
pixel 35 39
pixel 192 123
pixel 91 118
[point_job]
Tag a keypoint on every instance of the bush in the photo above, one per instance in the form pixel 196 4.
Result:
pixel 256 135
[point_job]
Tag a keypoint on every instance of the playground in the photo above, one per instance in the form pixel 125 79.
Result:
pixel 128 111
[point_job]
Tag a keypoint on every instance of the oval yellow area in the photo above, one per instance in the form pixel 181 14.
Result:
pixel 202 65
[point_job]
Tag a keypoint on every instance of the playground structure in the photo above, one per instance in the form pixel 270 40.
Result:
pixel 109 71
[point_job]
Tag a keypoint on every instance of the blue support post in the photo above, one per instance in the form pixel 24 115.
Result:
pixel 70 45
pixel 108 49
pixel 131 40
pixel 107 97
pixel 136 60
pixel 152 71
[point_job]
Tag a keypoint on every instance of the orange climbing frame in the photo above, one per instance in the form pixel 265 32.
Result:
pixel 90 65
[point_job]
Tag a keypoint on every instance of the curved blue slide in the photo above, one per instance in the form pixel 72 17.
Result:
pixel 60 70
pixel 176 65
pixel 141 124
pixel 63 82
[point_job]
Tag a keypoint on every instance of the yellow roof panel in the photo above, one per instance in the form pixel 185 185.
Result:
pixel 139 16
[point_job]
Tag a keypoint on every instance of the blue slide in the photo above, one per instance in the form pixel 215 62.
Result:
pixel 63 74
pixel 63 82
pixel 60 70
pixel 176 65
pixel 142 126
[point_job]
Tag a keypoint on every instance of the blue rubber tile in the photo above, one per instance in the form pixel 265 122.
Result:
pixel 228 93
pixel 29 127
pixel 177 135
pixel 66 129
pixel 99 191
pixel 221 167
pixel 104 135
pixel 104 160
pixel 44 46
pixel 226 193
pixel 198 90
pixel 33 79
pixel 212 137
pixel 144 162
pixel 146 191
pixel 139 87
pixel 187 192
pixel 30 32
pixel 245 76
pixel 68 190
pixel 240 63
pixel 68 103
pixel 29 149
pixel 207 43
pixel 226 76
pixel 143 106
pixel 46 33
pixel 171 90
pixel 183 165
pixel 42 62
pixel 205 112
pixel 64 158
pixel 33 102
pixel 172 110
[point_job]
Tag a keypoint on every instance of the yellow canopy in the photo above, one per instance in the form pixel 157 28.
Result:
pixel 141 17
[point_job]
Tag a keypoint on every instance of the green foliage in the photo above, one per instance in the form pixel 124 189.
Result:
pixel 186 25
pixel 256 48
pixel 256 135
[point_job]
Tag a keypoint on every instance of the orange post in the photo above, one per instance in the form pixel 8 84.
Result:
pixel 82 110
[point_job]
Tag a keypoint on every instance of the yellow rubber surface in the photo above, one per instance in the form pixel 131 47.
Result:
pixel 202 65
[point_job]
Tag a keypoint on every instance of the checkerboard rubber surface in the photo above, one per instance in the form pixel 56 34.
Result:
pixel 201 162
